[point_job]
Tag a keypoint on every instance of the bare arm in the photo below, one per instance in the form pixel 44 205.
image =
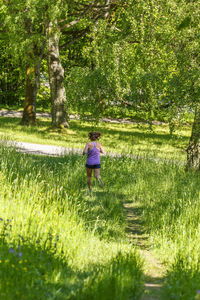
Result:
pixel 101 149
pixel 85 149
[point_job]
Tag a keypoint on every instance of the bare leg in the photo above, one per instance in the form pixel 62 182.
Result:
pixel 98 177
pixel 89 178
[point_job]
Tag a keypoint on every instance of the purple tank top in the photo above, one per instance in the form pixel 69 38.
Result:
pixel 93 155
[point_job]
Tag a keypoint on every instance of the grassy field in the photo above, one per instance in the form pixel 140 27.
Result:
pixel 136 139
pixel 57 242
pixel 169 199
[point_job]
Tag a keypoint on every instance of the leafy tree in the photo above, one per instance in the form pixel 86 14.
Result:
pixel 128 61
pixel 148 59
pixel 33 25
pixel 141 54
pixel 11 83
pixel 21 20
pixel 188 63
pixel 74 20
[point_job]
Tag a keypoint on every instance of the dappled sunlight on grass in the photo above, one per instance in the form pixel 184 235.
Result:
pixel 60 242
pixel 45 206
pixel 119 138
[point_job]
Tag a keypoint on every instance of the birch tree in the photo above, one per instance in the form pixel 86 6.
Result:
pixel 73 19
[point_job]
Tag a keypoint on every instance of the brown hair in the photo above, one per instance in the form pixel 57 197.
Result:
pixel 93 136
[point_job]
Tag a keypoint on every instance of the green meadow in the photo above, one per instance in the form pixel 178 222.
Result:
pixel 137 139
pixel 59 242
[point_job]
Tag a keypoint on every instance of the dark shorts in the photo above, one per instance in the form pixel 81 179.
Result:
pixel 93 166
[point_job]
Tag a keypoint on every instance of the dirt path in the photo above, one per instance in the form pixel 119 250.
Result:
pixel 154 271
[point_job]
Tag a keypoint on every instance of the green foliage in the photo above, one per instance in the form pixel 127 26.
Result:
pixel 169 198
pixel 11 82
pixel 145 53
pixel 56 241
pixel 88 98
pixel 185 23
pixel 40 196
pixel 114 282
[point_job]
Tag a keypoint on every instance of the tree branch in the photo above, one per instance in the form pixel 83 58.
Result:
pixel 102 10
pixel 92 5
pixel 76 36
pixel 74 22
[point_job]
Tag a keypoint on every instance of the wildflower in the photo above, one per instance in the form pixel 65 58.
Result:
pixel 20 261
pixel 13 265
pixel 25 269
pixel 20 254
pixel 0 261
pixel 11 250
pixel 1 219
pixel 6 261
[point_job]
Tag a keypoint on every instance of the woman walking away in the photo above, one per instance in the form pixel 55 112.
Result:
pixel 93 150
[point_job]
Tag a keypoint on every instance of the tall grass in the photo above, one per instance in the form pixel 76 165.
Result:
pixel 170 201
pixel 56 241
pixel 59 243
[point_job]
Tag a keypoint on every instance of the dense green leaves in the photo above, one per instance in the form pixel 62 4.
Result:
pixel 144 54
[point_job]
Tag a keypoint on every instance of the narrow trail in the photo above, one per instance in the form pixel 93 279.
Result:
pixel 154 271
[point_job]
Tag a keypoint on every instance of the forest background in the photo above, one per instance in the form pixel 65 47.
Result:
pixel 136 59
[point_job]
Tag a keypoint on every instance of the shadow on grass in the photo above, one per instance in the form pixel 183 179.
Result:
pixel 30 272
pixel 103 214
pixel 153 276
pixel 133 136
pixel 44 131
pixel 182 282
pixel 177 284
pixel 109 194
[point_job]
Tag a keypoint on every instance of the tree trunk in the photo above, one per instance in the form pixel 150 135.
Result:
pixel 193 150
pixel 29 114
pixel 56 80
pixel 32 79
